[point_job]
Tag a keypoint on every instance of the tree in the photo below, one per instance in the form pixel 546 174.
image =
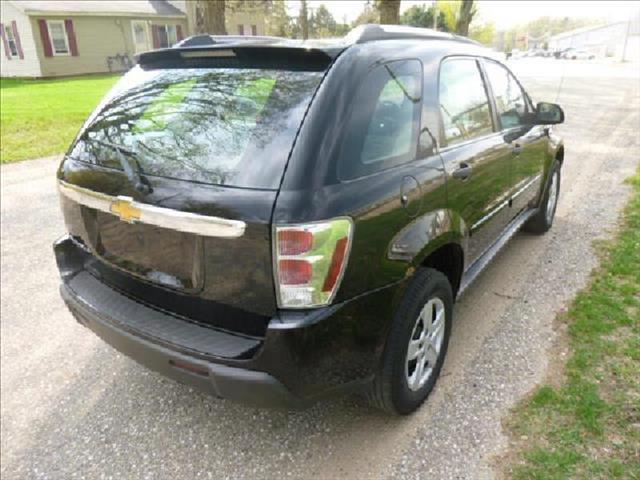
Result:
pixel 322 24
pixel 483 33
pixel 389 11
pixel 465 15
pixel 422 16
pixel 368 15
pixel 209 17
pixel 278 22
pixel 304 19
pixel 448 12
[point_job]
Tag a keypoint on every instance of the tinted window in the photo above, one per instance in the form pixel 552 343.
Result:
pixel 464 105
pixel 223 126
pixel 385 120
pixel 510 99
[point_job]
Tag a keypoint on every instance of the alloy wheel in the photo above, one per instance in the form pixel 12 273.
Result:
pixel 425 344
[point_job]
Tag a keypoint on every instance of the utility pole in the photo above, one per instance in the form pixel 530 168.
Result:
pixel 304 19
pixel 626 41
pixel 435 15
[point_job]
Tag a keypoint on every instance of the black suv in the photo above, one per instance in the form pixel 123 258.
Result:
pixel 274 220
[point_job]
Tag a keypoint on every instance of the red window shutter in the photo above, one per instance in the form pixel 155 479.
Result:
pixel 179 32
pixel 71 37
pixel 5 42
pixel 46 41
pixel 156 36
pixel 14 26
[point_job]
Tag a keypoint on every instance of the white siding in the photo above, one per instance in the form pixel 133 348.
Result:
pixel 30 65
pixel 98 38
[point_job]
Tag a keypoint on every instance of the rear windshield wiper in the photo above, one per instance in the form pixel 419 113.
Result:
pixel 140 183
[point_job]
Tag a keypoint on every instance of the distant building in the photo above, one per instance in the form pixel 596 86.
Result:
pixel 43 38
pixel 604 40
pixel 52 38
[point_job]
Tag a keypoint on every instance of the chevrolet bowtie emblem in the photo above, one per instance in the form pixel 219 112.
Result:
pixel 123 208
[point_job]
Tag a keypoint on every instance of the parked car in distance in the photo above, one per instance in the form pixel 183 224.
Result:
pixel 577 54
pixel 580 55
pixel 274 221
pixel 560 52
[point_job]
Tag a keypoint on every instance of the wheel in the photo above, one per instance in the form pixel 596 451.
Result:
pixel 416 346
pixel 542 221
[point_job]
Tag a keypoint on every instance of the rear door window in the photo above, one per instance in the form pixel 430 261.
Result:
pixel 221 126
pixel 464 104
pixel 385 120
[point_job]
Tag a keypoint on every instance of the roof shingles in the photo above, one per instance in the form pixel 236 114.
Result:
pixel 99 7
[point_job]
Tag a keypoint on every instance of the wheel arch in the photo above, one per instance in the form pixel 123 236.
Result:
pixel 436 240
pixel 560 154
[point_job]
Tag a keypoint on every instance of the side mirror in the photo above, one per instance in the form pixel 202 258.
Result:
pixel 548 114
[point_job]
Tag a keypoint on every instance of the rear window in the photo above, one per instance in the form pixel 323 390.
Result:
pixel 221 126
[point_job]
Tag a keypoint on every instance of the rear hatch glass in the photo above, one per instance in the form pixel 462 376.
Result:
pixel 222 126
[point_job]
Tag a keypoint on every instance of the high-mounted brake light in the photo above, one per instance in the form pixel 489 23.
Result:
pixel 310 260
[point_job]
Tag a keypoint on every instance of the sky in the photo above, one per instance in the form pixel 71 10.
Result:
pixel 504 14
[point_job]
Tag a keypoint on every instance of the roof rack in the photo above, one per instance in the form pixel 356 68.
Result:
pixel 372 32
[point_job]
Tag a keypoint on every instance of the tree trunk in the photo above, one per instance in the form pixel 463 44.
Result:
pixel 304 19
pixel 465 15
pixel 389 11
pixel 210 17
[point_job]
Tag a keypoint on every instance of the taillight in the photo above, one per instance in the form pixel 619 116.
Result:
pixel 310 260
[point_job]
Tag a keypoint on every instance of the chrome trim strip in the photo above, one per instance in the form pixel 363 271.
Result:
pixel 489 215
pixel 505 203
pixel 533 180
pixel 160 217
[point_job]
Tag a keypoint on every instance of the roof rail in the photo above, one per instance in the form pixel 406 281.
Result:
pixel 371 32
pixel 205 40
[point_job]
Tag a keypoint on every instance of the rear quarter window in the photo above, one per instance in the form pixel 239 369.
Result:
pixel 384 120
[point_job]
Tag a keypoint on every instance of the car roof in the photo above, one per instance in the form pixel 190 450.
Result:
pixel 329 48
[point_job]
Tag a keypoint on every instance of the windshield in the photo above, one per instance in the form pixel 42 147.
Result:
pixel 222 126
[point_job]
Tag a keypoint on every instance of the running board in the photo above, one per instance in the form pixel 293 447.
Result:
pixel 479 265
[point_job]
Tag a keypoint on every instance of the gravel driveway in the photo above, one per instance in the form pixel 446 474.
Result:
pixel 72 407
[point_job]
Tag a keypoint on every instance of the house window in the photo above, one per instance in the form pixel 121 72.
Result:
pixel 139 32
pixel 140 36
pixel 58 36
pixel 168 35
pixel 240 29
pixel 11 40
pixel 254 30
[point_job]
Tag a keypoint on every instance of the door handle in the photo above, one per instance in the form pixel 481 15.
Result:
pixel 517 149
pixel 463 172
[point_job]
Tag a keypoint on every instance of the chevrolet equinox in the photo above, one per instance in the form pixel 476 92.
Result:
pixel 274 220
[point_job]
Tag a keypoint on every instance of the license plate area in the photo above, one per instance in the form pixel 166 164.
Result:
pixel 158 255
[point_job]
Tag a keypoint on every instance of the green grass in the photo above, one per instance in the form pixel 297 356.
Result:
pixel 588 426
pixel 41 117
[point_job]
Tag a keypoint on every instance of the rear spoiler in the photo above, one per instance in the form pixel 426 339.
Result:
pixel 238 55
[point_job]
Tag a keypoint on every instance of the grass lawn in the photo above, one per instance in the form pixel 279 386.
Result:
pixel 588 425
pixel 41 117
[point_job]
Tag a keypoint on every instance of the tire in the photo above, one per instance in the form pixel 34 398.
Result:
pixel 542 221
pixel 398 388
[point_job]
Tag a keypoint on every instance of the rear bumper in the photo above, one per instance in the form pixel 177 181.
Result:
pixel 253 387
pixel 303 356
